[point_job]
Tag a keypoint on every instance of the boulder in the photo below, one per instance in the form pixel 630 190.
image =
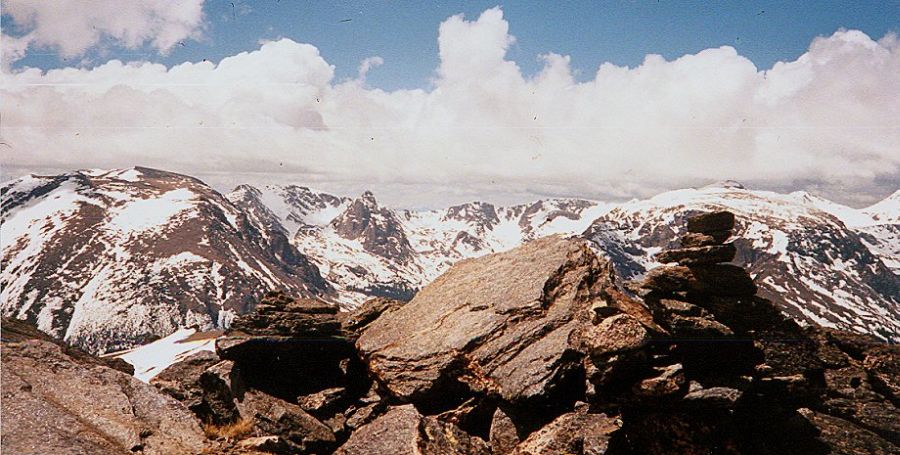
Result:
pixel 576 433
pixel 669 381
pixel 322 400
pixel 880 417
pixel 714 396
pixel 695 239
pixel 883 363
pixel 667 308
pixel 222 383
pixel 402 430
pixel 844 438
pixel 697 327
pixel 277 314
pixel 701 255
pixel 17 330
pixel 499 324
pixel 356 321
pixel 503 435
pixel 615 335
pixel 717 279
pixel 266 444
pixel 181 381
pixel 711 222
pixel 277 417
pixel 57 404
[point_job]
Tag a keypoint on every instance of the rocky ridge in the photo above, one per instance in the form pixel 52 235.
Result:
pixel 544 349
pixel 60 401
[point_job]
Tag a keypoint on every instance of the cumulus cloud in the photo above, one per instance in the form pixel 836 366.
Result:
pixel 827 118
pixel 367 64
pixel 71 27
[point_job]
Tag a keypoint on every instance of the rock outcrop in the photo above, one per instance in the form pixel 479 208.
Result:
pixel 543 349
pixel 55 403
pixel 499 325
pixel 404 431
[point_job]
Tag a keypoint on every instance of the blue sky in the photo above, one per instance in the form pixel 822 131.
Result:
pixel 404 33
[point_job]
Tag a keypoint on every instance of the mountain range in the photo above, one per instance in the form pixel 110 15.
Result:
pixel 108 259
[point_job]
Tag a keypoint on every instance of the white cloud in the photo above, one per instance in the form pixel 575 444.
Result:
pixel 826 118
pixel 367 64
pixel 71 27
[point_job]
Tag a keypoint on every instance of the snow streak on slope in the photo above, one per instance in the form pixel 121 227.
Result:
pixel 151 359
pixel 106 259
pixel 804 257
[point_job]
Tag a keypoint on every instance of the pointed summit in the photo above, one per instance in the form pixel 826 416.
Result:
pixel 368 199
pixel 377 228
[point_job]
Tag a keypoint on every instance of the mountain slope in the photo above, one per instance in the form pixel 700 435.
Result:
pixel 108 259
pixel 369 250
pixel 809 262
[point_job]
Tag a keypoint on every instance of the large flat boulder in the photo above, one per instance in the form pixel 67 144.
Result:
pixel 56 404
pixel 499 324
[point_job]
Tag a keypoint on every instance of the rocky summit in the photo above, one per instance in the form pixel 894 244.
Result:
pixel 540 349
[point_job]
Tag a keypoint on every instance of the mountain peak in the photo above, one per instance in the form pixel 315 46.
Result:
pixel 368 198
pixel 731 184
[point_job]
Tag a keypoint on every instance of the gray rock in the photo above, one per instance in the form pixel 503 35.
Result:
pixel 701 255
pixel 277 314
pixel 500 323
pixel 577 433
pixel 222 384
pixel 711 222
pixel 277 417
pixel 695 239
pixel 54 404
pixel 844 438
pixel 715 396
pixel 321 400
pixel 359 416
pixel 181 381
pixel 669 381
pixel 267 444
pixel 883 363
pixel 356 321
pixel 615 335
pixel 718 280
pixel 698 327
pixel 672 307
pixel 503 435
pixel 17 330
pixel 403 431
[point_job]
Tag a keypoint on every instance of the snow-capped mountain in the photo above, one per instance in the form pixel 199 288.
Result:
pixel 107 259
pixel 372 250
pixel 825 262
pixel 822 262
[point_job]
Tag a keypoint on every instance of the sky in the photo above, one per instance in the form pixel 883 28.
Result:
pixel 442 102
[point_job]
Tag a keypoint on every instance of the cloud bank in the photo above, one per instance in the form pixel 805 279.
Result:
pixel 827 119
pixel 72 27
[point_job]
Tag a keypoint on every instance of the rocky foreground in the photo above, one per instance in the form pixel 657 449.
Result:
pixel 538 350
